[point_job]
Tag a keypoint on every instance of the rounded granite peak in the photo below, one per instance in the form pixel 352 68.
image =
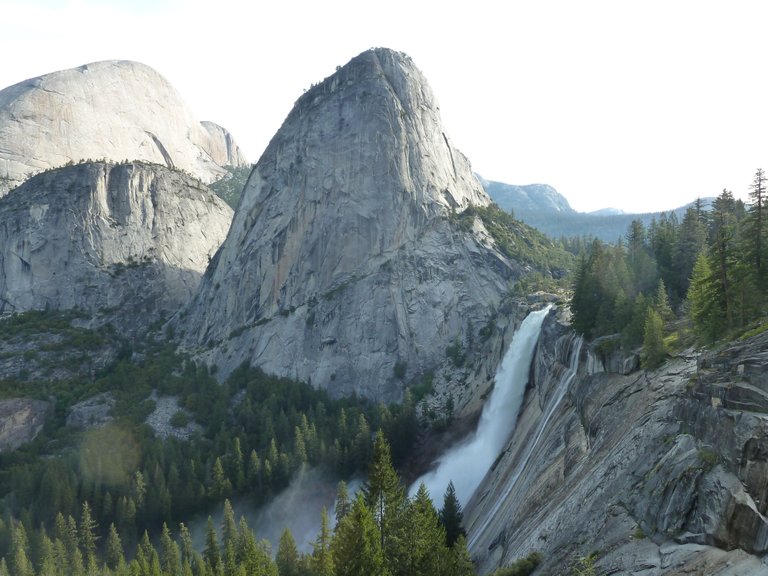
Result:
pixel 342 259
pixel 113 109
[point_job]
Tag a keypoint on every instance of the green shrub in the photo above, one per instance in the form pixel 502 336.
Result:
pixel 400 369
pixel 455 353
pixel 179 419
pixel 521 567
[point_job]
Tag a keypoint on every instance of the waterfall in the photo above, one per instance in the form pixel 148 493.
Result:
pixel 467 463
pixel 541 426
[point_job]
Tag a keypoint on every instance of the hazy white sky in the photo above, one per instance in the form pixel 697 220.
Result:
pixel 639 105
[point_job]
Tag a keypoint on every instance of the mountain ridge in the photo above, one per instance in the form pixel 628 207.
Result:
pixel 544 208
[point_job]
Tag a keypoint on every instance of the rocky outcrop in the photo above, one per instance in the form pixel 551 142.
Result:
pixel 92 412
pixel 21 420
pixel 343 266
pixel 99 236
pixel 115 110
pixel 162 421
pixel 651 470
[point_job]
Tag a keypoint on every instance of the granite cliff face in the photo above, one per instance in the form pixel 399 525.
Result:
pixel 99 236
pixel 115 110
pixel 658 472
pixel 21 420
pixel 342 266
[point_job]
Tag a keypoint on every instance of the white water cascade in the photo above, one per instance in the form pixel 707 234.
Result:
pixel 574 353
pixel 467 463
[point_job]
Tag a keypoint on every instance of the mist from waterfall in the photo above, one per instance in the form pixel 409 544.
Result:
pixel 467 462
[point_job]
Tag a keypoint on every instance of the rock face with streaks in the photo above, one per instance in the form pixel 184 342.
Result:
pixel 343 266
pixel 134 238
pixel 116 110
pixel 660 472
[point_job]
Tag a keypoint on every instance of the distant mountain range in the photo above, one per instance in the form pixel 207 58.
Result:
pixel 544 208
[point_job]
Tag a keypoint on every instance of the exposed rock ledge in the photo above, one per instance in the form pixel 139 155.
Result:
pixel 21 420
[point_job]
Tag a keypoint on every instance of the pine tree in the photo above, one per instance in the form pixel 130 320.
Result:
pixel 22 565
pixel 661 302
pixel 692 239
pixel 343 505
pixel 362 444
pixel 756 227
pixel 170 556
pixel 255 557
pixel 139 489
pixel 654 350
pixel 47 555
pixel 459 561
pixel 356 544
pixel 723 232
pixel 188 553
pixel 228 525
pixel 425 547
pixel 287 557
pixel 385 498
pixel 254 470
pixel 321 561
pixel 113 549
pixel 451 516
pixel 704 302
pixel 66 533
pixel 220 486
pixel 238 465
pixel 88 536
pixel 299 447
pixel 212 553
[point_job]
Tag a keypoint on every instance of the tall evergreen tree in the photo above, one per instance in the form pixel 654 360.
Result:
pixel 357 544
pixel 654 351
pixel 220 486
pixel 321 561
pixel 459 561
pixel 170 556
pixel 287 557
pixel 385 498
pixel 228 525
pixel 255 557
pixel 47 560
pixel 22 565
pixel 756 227
pixel 451 516
pixel 343 505
pixel 661 302
pixel 704 302
pixel 88 536
pixel 692 239
pixel 722 233
pixel 212 552
pixel 113 549
pixel 426 550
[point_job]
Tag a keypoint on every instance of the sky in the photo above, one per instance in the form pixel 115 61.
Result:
pixel 637 105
